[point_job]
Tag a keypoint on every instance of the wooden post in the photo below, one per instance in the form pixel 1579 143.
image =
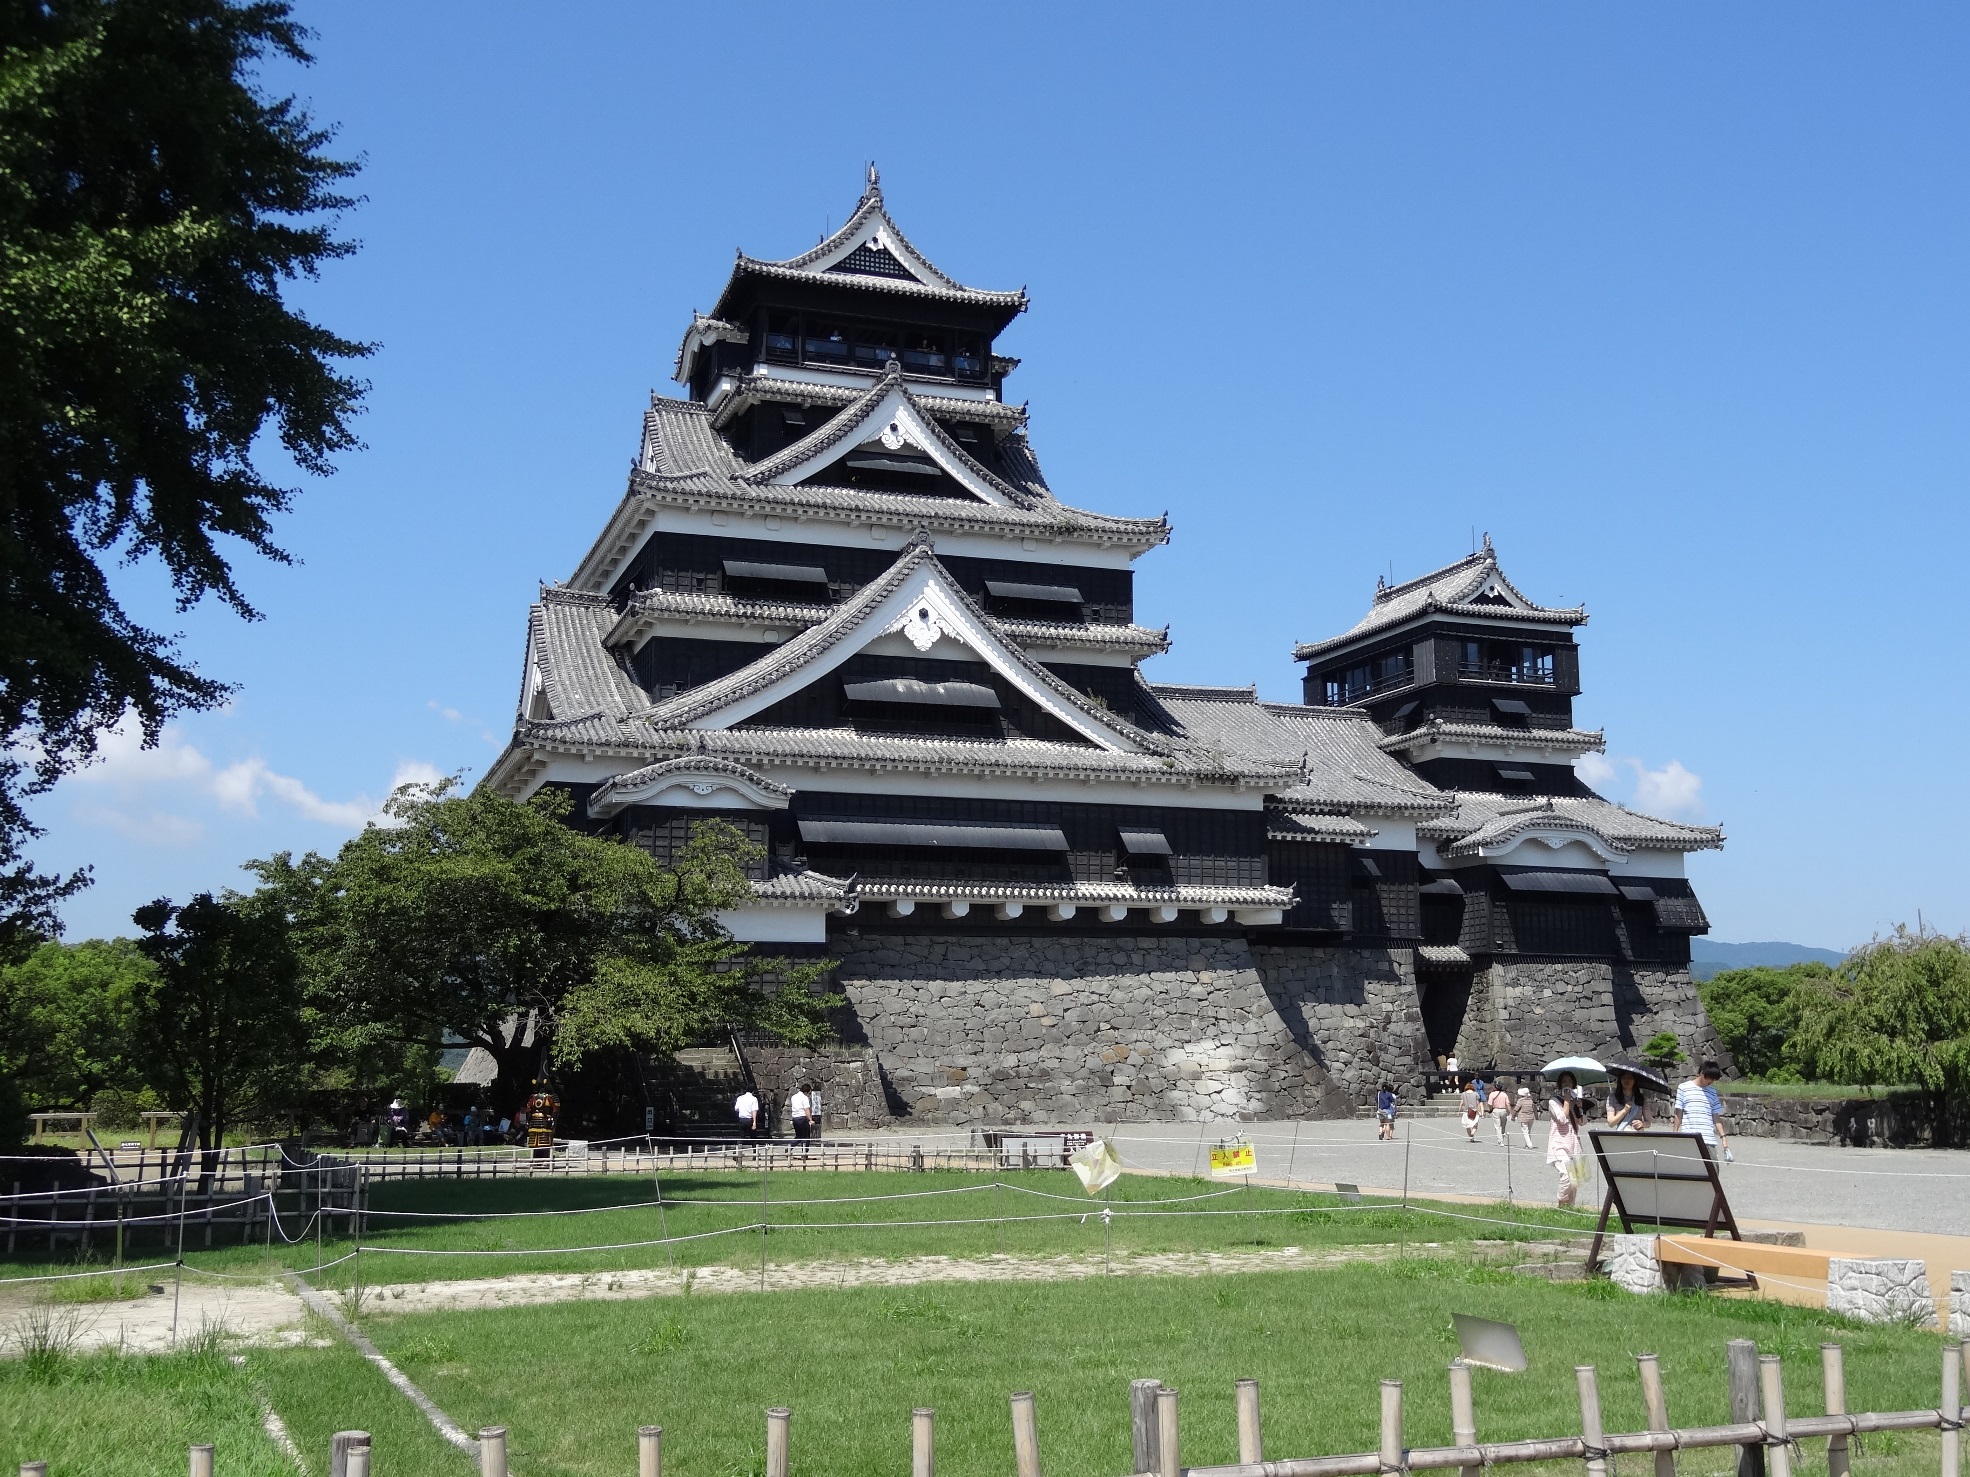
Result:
pixel 1463 1413
pixel 923 1443
pixel 1392 1425
pixel 201 1464
pixel 1833 1366
pixel 34 1469
pixel 492 1451
pixel 1168 1445
pixel 339 1446
pixel 1657 1406
pixel 1743 1355
pixel 1952 1408
pixel 649 1450
pixel 1249 1443
pixel 1771 1384
pixel 1590 1420
pixel 1025 1436
pixel 778 1429
pixel 1142 1423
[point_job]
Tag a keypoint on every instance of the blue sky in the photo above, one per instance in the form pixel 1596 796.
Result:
pixel 1670 300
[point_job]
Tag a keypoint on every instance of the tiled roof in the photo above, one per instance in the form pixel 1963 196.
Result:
pixel 595 709
pixel 580 675
pixel 750 389
pixel 1483 821
pixel 1344 766
pixel 1553 740
pixel 704 331
pixel 1086 894
pixel 1453 589
pixel 646 607
pixel 928 281
pixel 686 464
pixel 1283 825
pixel 854 420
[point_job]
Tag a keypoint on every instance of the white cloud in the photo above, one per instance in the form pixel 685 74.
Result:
pixel 450 715
pixel 1671 791
pixel 142 792
pixel 1597 770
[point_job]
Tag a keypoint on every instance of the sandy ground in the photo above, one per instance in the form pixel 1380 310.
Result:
pixel 259 1312
pixel 272 1313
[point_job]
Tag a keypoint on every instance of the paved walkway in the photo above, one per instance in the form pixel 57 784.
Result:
pixel 1924 1190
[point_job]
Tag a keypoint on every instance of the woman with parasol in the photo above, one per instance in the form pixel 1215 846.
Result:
pixel 1565 1114
pixel 1627 1100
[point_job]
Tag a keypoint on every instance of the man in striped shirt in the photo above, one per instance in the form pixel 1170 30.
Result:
pixel 1699 1109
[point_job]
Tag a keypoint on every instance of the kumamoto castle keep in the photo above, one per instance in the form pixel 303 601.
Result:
pixel 841 608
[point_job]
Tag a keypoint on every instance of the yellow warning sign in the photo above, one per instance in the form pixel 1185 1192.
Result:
pixel 1234 1159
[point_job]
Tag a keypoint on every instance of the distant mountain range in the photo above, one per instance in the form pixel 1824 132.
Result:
pixel 1709 956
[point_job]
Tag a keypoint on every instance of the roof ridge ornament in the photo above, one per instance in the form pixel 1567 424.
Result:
pixel 874 188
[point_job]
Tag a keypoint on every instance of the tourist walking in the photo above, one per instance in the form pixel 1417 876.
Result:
pixel 1563 1149
pixel 1700 1110
pixel 1523 1112
pixel 1473 1106
pixel 1627 1104
pixel 1385 1112
pixel 800 1109
pixel 746 1108
pixel 1500 1108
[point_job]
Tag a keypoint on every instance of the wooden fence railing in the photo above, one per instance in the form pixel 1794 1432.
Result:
pixel 1772 1435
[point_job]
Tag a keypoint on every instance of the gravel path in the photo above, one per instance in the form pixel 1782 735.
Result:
pixel 271 1313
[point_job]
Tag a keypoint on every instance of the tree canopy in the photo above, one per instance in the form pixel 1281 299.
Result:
pixel 67 1017
pixel 475 917
pixel 221 1026
pixel 154 205
pixel 1755 1011
pixel 1896 1013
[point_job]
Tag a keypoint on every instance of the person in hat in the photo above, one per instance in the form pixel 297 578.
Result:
pixel 1385 1112
pixel 1524 1110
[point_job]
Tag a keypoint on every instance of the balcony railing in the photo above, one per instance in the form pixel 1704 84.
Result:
pixel 1342 691
pixel 1507 672
pixel 787 348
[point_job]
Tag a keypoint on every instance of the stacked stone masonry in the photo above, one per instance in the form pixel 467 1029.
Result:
pixel 1523 1012
pixel 1900 1121
pixel 980 1031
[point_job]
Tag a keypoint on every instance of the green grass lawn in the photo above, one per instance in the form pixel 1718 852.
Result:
pixel 825 1215
pixel 573 1381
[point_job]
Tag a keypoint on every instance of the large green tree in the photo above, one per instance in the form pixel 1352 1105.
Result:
pixel 222 1026
pixel 66 1020
pixel 154 205
pixel 1897 1013
pixel 472 916
pixel 1756 1010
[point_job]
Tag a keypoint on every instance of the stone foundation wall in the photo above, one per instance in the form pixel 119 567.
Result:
pixel 983 1030
pixel 1527 1011
pixel 1912 1121
pixel 987 1030
pixel 849 1079
pixel 1353 1010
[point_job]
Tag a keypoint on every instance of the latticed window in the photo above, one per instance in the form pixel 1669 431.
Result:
pixel 666 836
